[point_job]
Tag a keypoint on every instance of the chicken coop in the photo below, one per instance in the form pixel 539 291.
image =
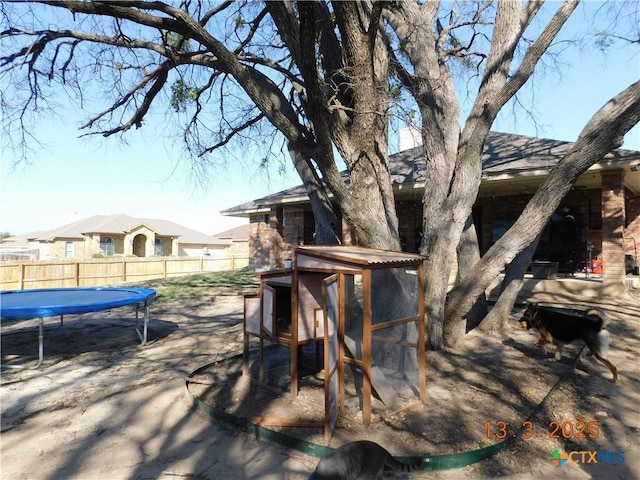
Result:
pixel 356 312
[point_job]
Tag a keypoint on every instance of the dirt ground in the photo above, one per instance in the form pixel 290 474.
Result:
pixel 102 406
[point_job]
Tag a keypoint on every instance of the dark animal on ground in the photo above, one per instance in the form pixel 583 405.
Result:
pixel 360 460
pixel 560 328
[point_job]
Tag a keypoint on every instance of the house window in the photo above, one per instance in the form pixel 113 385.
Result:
pixel 68 249
pixel 158 248
pixel 107 246
pixel 595 213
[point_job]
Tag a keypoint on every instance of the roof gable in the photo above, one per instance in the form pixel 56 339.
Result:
pixel 120 224
pixel 235 234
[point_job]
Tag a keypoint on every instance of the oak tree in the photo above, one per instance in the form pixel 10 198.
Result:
pixel 327 76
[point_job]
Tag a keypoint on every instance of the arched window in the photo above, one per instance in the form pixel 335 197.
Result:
pixel 68 249
pixel 107 246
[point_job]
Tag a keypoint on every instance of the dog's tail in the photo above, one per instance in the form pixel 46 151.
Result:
pixel 603 337
pixel 602 340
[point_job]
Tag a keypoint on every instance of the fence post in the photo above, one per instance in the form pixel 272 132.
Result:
pixel 23 267
pixel 124 270
pixel 77 274
pixel 164 268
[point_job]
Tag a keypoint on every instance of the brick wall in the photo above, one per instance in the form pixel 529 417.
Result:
pixel 273 237
pixel 91 244
pixel 593 235
pixel 58 248
pixel 276 223
pixel 297 225
pixel 613 215
pixel 293 231
pixel 259 240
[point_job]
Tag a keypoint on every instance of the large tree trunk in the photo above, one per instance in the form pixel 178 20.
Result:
pixel 359 120
pixel 348 108
pixel 454 161
pixel 468 256
pixel 340 82
pixel 497 317
pixel 602 134
pixel 432 87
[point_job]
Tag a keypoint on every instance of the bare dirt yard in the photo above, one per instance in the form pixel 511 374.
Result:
pixel 103 407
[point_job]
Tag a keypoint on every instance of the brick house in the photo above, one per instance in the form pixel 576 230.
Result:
pixel 238 238
pixel 119 235
pixel 598 218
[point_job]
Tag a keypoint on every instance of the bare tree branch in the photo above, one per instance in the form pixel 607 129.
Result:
pixel 159 78
pixel 234 131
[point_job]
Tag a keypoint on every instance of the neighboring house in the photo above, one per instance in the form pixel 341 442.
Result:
pixel 121 235
pixel 599 217
pixel 17 247
pixel 239 238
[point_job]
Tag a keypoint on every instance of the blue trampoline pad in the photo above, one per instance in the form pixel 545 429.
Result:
pixel 49 302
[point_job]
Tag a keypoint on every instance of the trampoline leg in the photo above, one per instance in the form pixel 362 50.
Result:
pixel 40 349
pixel 40 343
pixel 146 322
pixel 143 335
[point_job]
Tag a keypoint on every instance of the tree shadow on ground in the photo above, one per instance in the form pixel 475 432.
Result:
pixel 118 409
pixel 103 405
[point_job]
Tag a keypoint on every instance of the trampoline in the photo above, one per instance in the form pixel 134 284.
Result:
pixel 18 305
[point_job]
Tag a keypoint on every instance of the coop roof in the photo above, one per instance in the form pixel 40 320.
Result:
pixel 361 255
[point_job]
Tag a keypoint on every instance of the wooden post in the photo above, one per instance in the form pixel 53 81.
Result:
pixel 294 334
pixel 366 347
pixel 340 325
pixel 261 360
pixel 23 268
pixel 245 347
pixel 422 335
pixel 124 270
pixel 77 273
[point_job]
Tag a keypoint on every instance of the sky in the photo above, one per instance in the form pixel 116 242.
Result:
pixel 69 178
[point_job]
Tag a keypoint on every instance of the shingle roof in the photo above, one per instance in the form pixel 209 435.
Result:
pixel 121 223
pixel 504 154
pixel 18 241
pixel 235 234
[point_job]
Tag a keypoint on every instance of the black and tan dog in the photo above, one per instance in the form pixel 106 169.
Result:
pixel 559 328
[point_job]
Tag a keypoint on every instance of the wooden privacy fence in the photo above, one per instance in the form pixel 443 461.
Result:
pixel 107 271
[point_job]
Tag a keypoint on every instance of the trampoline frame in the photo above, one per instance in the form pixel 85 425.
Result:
pixel 143 298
